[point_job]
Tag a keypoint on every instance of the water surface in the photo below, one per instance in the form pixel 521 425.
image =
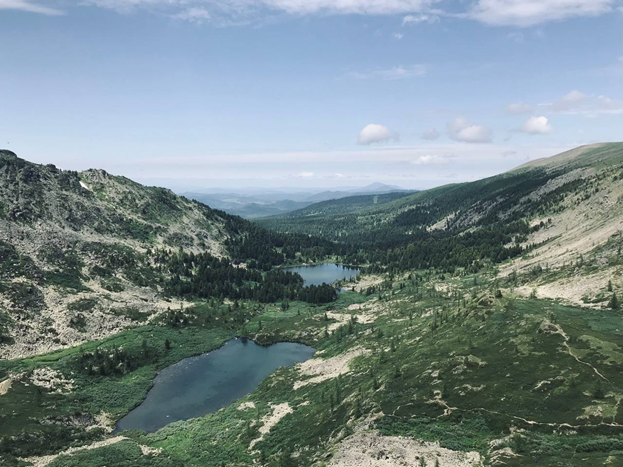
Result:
pixel 204 384
pixel 324 273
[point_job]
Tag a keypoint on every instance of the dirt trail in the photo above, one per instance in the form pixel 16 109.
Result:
pixel 548 326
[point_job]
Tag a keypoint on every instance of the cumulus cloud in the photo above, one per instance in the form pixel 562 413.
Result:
pixel 431 159
pixel 398 36
pixel 24 5
pixel 431 134
pixel 537 126
pixel 461 129
pixel 519 108
pixel 305 175
pixel 375 133
pixel 578 103
pixel 391 74
pixel 525 13
pixel 568 102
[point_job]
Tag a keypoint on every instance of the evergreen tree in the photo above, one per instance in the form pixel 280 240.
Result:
pixel 614 302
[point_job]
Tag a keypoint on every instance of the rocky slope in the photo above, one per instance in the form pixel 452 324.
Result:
pixel 72 262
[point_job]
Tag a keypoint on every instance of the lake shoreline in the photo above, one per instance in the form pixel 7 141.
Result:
pixel 200 374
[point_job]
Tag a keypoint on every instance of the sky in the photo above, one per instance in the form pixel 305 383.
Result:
pixel 307 93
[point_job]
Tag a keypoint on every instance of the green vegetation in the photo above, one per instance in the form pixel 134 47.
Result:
pixel 433 343
pixel 463 347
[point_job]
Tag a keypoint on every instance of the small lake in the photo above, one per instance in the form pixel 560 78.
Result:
pixel 324 273
pixel 206 383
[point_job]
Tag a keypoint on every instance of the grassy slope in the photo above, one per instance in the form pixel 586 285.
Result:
pixel 441 367
pixel 467 202
pixel 526 380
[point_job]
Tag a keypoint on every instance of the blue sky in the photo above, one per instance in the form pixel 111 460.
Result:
pixel 321 93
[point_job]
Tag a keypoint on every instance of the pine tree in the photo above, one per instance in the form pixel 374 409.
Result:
pixel 614 302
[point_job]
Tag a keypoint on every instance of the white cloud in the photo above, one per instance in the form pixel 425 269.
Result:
pixel 430 135
pixel 236 12
pixel 375 133
pixel 524 13
pixel 416 19
pixel 431 159
pixel 398 36
pixel 537 126
pixel 24 5
pixel 251 9
pixel 519 108
pixel 460 129
pixel 305 175
pixel 370 7
pixel 578 103
pixel 574 96
pixel 394 73
pixel 194 15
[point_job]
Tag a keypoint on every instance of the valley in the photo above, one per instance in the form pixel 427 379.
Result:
pixel 483 327
pixel 257 203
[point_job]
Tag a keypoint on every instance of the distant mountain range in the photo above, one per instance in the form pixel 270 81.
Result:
pixel 256 203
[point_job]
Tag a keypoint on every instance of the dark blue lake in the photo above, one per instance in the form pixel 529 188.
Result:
pixel 204 384
pixel 324 273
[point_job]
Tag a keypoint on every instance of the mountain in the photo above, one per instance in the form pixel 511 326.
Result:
pixel 249 207
pixel 484 328
pixel 560 209
pixel 84 255
pixel 374 188
pixel 377 187
pixel 325 210
pixel 271 203
pixel 256 210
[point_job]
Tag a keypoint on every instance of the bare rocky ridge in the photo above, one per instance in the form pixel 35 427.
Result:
pixel 71 248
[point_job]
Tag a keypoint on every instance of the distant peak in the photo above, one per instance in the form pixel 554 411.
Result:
pixel 378 186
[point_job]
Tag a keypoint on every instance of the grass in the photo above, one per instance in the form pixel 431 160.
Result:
pixel 441 367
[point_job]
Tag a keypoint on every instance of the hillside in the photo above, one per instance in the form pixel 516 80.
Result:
pixel 84 255
pixel 272 203
pixel 547 214
pixel 451 349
